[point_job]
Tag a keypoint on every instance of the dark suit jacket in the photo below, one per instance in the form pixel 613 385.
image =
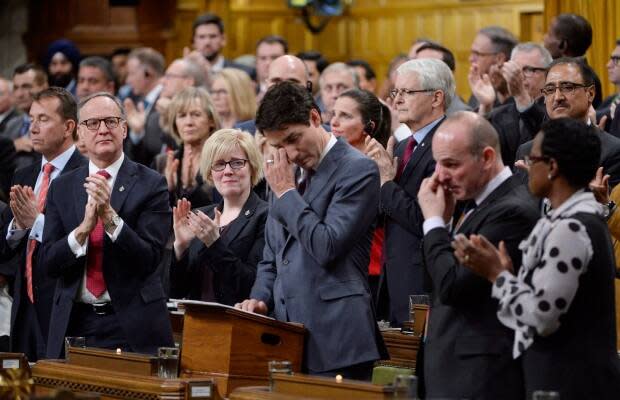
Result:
pixel 7 166
pixel 580 359
pixel 513 129
pixel 151 145
pixel 610 156
pixel 42 285
pixel 404 271
pixel 231 260
pixel 315 263
pixel 140 198
pixel 200 195
pixel 468 352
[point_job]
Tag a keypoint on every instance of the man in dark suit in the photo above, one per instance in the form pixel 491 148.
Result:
pixel 525 74
pixel 106 226
pixel 467 350
pixel 53 131
pixel 422 93
pixel 318 236
pixel 569 92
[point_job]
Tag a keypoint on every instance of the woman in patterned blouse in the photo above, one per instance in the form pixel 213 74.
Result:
pixel 560 302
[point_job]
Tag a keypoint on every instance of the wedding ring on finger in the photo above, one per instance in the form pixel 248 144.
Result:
pixel 270 161
pixel 466 258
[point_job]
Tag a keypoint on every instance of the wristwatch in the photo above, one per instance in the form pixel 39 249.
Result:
pixel 609 209
pixel 113 223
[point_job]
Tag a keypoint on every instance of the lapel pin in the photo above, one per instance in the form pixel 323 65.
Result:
pixel 422 144
pixel 247 212
pixel 121 189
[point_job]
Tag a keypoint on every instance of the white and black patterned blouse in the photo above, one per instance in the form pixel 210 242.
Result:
pixel 555 255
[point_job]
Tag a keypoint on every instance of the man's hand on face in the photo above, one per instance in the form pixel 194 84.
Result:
pixel 435 200
pixel 279 171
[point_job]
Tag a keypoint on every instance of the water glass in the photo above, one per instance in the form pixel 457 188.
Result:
pixel 406 386
pixel 73 341
pixel 168 362
pixel 279 367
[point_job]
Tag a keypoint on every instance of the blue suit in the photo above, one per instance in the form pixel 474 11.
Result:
pixel 316 258
pixel 140 198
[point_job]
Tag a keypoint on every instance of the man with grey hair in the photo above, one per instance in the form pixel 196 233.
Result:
pixel 525 74
pixel 95 74
pixel 422 93
pixel 489 50
pixel 106 225
pixel 335 79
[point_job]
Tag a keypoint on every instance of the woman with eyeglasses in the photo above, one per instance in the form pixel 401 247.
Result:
pixel 193 119
pixel 217 248
pixel 234 96
pixel 560 301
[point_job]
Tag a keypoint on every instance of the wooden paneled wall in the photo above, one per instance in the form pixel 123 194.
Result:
pixel 375 30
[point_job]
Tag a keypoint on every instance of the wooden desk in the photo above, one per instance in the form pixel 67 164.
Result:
pixel 50 375
pixel 403 348
pixel 300 386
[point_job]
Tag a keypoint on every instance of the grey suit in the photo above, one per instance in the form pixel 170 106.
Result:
pixel 316 258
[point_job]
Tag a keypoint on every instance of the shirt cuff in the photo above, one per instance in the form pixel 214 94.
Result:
pixel 36 232
pixel 77 249
pixel 136 137
pixel 432 223
pixel 14 235
pixel 114 235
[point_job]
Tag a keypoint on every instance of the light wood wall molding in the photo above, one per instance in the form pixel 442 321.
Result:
pixel 378 30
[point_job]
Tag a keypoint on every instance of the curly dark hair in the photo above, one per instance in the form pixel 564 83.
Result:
pixel 285 103
pixel 575 146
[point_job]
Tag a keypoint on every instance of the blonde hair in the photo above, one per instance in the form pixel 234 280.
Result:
pixel 224 142
pixel 241 93
pixel 183 101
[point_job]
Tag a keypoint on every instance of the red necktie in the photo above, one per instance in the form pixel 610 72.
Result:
pixel 411 144
pixel 94 267
pixel 32 243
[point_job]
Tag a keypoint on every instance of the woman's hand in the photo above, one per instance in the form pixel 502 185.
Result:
pixel 479 255
pixel 170 172
pixel 183 234
pixel 207 230
pixel 188 170
pixel 600 186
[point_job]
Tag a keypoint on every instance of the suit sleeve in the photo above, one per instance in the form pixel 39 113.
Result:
pixel 352 209
pixel 457 285
pixel 266 270
pixel 402 208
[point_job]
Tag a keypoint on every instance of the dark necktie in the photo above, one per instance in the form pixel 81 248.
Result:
pixel 304 182
pixel 470 206
pixel 411 144
pixel 32 243
pixel 94 272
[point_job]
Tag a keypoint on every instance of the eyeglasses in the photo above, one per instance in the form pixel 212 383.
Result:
pixel 234 164
pixel 478 54
pixel 615 59
pixel 92 124
pixel 530 160
pixel 565 88
pixel 410 92
pixel 530 71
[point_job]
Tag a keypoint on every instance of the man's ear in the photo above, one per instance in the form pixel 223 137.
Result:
pixel 591 92
pixel 489 156
pixel 315 118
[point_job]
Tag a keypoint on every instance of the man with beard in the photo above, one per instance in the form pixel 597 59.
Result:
pixel 61 61
pixel 209 39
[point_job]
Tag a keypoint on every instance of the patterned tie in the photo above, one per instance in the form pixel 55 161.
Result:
pixel 94 267
pixel 411 144
pixel 32 243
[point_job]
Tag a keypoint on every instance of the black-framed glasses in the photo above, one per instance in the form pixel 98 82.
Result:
pixel 478 54
pixel 565 88
pixel 530 160
pixel 529 70
pixel 234 164
pixel 410 92
pixel 92 124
